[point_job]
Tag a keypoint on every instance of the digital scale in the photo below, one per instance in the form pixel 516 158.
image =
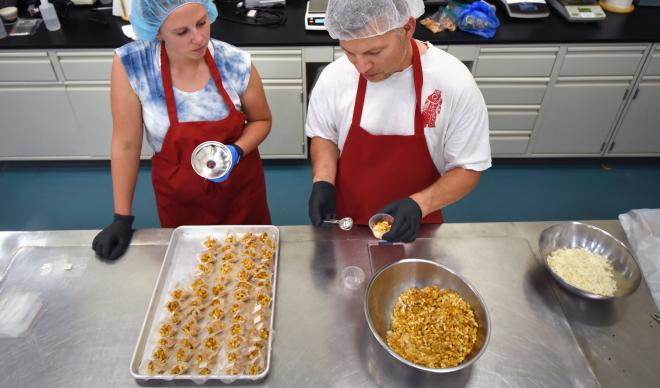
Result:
pixel 526 9
pixel 579 10
pixel 315 14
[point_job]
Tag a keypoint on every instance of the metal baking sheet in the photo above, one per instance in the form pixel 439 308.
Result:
pixel 179 263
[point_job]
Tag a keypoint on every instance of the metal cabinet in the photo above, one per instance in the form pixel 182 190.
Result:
pixel 281 70
pixel 578 117
pixel 37 123
pixel 513 81
pixel 585 99
pixel 91 108
pixel 287 138
pixel 639 130
pixel 545 101
pixel 56 104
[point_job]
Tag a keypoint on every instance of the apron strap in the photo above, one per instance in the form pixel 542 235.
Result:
pixel 217 78
pixel 359 101
pixel 418 81
pixel 168 87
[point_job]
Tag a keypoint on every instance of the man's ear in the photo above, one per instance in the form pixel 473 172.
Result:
pixel 409 27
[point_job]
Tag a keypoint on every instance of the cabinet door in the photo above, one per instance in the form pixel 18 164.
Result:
pixel 91 105
pixel 37 123
pixel 578 117
pixel 286 138
pixel 640 129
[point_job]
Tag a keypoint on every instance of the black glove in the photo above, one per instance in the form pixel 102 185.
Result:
pixel 113 241
pixel 322 203
pixel 407 218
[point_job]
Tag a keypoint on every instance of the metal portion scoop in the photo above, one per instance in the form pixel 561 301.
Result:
pixel 211 160
pixel 345 223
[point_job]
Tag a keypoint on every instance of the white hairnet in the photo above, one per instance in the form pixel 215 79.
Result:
pixel 148 15
pixel 357 19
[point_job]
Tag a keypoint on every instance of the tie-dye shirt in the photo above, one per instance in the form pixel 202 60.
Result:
pixel 142 63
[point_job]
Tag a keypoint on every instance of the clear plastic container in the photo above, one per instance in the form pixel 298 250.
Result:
pixel 3 32
pixel 378 228
pixel 353 277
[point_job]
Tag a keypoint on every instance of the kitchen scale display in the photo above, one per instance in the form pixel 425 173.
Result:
pixel 526 9
pixel 579 10
pixel 315 14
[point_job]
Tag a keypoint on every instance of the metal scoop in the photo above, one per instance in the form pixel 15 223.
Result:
pixel 211 160
pixel 345 223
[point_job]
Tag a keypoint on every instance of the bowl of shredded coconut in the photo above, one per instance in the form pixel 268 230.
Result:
pixel 588 261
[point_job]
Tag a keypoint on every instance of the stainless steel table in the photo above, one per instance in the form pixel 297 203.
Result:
pixel 541 335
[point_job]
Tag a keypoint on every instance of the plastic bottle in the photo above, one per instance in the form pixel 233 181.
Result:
pixel 3 32
pixel 49 15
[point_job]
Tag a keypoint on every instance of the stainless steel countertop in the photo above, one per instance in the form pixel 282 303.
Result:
pixel 541 334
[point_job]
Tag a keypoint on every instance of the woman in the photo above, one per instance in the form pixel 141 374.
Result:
pixel 184 88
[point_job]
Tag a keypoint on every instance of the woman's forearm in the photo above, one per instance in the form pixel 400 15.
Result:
pixel 253 134
pixel 125 163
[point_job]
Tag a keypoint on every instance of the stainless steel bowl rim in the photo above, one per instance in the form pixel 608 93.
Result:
pixel 570 287
pixel 396 355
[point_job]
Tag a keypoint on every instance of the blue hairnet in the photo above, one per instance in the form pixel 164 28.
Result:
pixel 148 15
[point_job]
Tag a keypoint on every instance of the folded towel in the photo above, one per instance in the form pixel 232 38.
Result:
pixel 642 227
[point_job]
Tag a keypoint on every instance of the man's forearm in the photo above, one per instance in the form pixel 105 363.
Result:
pixel 451 187
pixel 324 160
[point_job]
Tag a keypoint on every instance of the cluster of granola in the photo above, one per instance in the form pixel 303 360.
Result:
pixel 432 327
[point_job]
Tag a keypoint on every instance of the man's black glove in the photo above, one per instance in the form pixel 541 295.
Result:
pixel 113 241
pixel 322 203
pixel 407 218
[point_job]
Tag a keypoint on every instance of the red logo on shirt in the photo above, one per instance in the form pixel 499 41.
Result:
pixel 432 108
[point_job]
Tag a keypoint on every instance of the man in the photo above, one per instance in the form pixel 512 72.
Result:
pixel 397 126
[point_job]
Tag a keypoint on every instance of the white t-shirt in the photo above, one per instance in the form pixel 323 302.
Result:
pixel 456 127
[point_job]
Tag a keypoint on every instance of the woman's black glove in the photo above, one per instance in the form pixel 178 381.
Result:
pixel 407 218
pixel 112 242
pixel 322 203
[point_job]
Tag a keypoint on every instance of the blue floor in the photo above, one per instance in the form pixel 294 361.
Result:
pixel 41 196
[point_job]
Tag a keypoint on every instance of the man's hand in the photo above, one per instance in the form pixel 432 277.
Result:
pixel 407 218
pixel 322 203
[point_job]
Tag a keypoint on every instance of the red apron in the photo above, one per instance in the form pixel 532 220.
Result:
pixel 185 198
pixel 374 170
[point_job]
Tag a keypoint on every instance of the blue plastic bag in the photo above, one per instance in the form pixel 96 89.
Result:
pixel 479 18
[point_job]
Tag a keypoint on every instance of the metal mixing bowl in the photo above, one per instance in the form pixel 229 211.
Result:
pixel 386 286
pixel 578 235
